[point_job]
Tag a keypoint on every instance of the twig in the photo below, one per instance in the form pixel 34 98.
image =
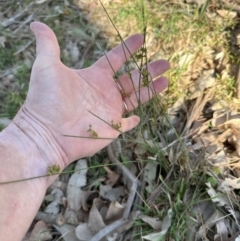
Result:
pixel 6 72
pixel 110 228
pixel 130 200
pixel 175 142
pixel 28 20
pixel 24 47
pixel 13 19
pixel 49 218
pixel 126 171
pixel 31 17
pixel 138 202
pixel 130 176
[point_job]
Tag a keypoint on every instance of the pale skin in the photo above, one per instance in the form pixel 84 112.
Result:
pixel 60 101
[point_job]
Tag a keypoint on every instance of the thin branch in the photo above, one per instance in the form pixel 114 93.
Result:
pixel 49 218
pixel 110 228
pixel 124 169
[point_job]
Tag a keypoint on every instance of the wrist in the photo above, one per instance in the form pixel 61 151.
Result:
pixel 27 150
pixel 36 146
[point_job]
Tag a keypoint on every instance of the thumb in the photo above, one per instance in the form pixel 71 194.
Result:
pixel 47 44
pixel 129 123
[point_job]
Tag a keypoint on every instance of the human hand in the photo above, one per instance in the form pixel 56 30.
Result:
pixel 67 101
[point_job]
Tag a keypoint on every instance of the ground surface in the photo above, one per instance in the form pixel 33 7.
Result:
pixel 184 154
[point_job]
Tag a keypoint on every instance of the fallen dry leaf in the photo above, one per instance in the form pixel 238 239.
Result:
pixel 166 223
pixel 74 191
pixel 59 184
pixel 112 176
pixel 40 232
pixel 100 215
pixel 150 172
pixel 83 233
pixel 87 199
pixel 131 219
pixel 231 121
pixel 222 229
pixel 139 148
pixel 111 194
pixel 208 224
pixel 67 231
pixel 155 223
pixel 226 13
pixel 222 201
pixel 173 113
pixel 95 222
pixel 230 184
pixel 54 206
pixel 201 212
pixel 205 81
pixel 114 212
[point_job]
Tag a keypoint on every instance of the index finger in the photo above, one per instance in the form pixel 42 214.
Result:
pixel 115 58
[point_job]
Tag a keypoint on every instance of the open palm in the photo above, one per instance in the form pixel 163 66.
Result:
pixel 69 102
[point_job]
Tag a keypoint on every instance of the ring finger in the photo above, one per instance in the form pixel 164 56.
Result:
pixel 145 94
pixel 129 84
